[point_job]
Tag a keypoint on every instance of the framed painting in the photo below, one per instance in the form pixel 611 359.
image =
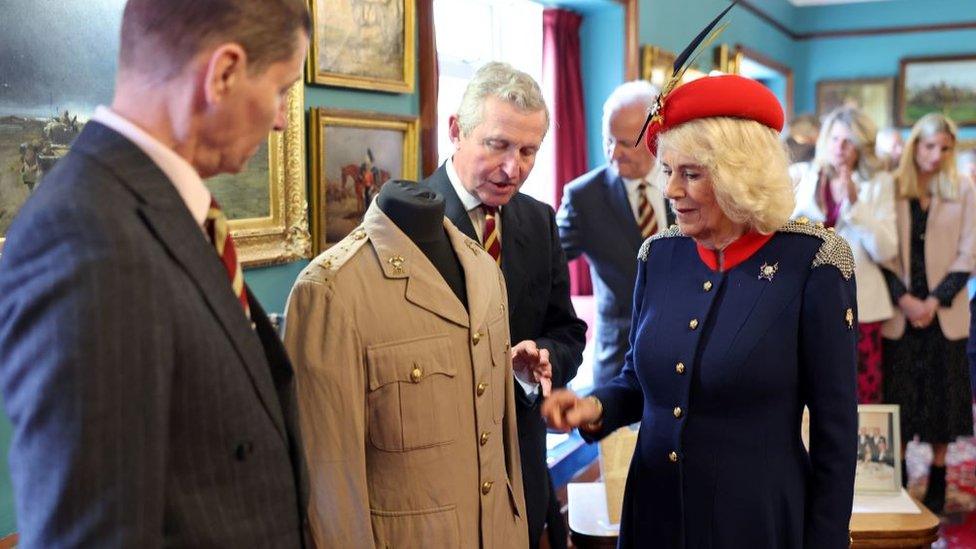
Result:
pixel 657 64
pixel 353 155
pixel 878 450
pixel 366 44
pixel 942 84
pixel 874 96
pixel 266 203
pixel 46 100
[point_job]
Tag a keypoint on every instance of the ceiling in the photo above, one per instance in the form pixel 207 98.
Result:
pixel 806 3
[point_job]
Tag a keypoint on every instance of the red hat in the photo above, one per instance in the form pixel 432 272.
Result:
pixel 715 96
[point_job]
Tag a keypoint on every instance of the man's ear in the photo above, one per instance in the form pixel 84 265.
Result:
pixel 454 130
pixel 225 69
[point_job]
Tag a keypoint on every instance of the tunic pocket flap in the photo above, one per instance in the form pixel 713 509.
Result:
pixel 409 361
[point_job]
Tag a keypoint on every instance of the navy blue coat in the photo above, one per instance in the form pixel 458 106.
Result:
pixel 720 367
pixel 596 220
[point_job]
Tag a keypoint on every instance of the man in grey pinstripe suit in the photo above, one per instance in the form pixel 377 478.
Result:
pixel 148 409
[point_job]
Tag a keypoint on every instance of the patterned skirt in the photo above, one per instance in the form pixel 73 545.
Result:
pixel 869 375
pixel 927 375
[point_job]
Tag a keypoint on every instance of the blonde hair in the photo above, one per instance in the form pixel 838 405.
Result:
pixel 863 131
pixel 502 81
pixel 946 182
pixel 748 165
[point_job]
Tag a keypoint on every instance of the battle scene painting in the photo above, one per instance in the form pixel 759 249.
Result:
pixel 50 87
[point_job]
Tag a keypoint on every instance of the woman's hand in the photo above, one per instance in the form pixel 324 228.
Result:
pixel 912 307
pixel 564 410
pixel 929 307
pixel 846 174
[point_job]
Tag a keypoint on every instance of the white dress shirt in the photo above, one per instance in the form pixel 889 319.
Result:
pixel 655 195
pixel 477 215
pixel 184 177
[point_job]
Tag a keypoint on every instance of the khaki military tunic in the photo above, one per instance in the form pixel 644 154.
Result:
pixel 406 399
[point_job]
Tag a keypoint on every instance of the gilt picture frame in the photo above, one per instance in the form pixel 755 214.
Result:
pixel 353 154
pixel 874 96
pixel 363 44
pixel 45 103
pixel 945 84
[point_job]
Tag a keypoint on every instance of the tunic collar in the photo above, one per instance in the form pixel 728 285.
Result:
pixel 738 251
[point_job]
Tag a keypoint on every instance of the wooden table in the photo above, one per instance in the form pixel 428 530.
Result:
pixel 590 528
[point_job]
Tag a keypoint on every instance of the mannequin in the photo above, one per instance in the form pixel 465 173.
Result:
pixel 419 213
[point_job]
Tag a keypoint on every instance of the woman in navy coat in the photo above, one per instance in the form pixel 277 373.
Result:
pixel 741 318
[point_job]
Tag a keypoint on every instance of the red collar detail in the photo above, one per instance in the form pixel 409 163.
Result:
pixel 738 251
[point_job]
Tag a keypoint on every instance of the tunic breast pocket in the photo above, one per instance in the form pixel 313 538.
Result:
pixel 500 365
pixel 412 401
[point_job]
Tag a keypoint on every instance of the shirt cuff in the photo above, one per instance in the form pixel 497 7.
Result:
pixel 531 388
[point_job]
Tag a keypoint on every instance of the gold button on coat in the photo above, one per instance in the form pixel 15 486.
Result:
pixel 481 388
pixel 707 286
pixel 486 487
pixel 680 368
pixel 693 324
pixel 416 374
pixel 673 457
pixel 484 438
pixel 476 338
pixel 678 412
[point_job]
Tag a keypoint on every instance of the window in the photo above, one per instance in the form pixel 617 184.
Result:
pixel 471 33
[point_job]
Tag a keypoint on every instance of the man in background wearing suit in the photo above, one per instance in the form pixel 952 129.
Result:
pixel 496 134
pixel 152 403
pixel 607 213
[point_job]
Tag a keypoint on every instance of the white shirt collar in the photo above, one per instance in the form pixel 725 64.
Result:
pixel 650 178
pixel 184 177
pixel 469 200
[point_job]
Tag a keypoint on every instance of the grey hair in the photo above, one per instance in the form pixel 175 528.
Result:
pixel 500 80
pixel 635 92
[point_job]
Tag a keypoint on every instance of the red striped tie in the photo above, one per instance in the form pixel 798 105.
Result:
pixel 219 232
pixel 490 239
pixel 646 219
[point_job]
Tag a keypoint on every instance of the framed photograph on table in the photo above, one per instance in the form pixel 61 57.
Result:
pixel 353 155
pixel 938 84
pixel 878 450
pixel 365 44
pixel 874 96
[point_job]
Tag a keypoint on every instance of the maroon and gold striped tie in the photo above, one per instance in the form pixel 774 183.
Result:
pixel 646 220
pixel 491 239
pixel 219 232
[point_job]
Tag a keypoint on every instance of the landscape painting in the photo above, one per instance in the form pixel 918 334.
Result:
pixel 50 87
pixel 938 84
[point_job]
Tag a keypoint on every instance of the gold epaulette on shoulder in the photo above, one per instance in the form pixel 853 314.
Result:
pixel 328 263
pixel 645 248
pixel 833 251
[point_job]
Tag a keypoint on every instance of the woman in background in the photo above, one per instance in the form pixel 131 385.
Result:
pixel 843 188
pixel 924 349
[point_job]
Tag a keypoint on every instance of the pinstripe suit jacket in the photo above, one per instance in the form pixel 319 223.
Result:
pixel 146 411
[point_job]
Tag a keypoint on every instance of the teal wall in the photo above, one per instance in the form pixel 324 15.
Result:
pixel 672 25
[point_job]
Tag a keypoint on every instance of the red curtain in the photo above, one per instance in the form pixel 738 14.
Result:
pixel 561 75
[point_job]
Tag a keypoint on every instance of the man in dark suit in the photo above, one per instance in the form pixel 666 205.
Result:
pixel 607 213
pixel 496 134
pixel 152 403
